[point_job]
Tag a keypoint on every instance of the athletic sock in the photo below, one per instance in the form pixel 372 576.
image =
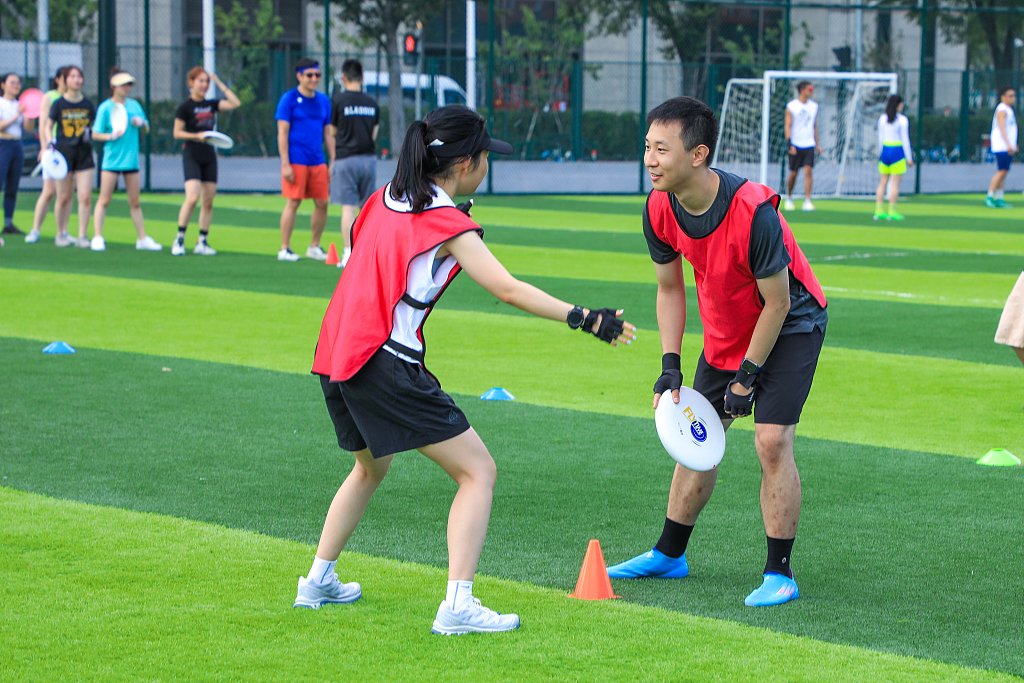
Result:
pixel 203 234
pixel 999 194
pixel 459 592
pixel 320 572
pixel 181 231
pixel 779 550
pixel 674 537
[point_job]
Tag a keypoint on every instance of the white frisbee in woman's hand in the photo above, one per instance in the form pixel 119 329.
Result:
pixel 691 430
pixel 55 166
pixel 215 138
pixel 119 118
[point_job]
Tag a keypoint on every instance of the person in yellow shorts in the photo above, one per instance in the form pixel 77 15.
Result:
pixel 896 156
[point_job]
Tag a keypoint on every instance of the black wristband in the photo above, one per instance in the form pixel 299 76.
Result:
pixel 669 361
pixel 745 379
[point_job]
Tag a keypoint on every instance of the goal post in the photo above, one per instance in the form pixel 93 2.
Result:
pixel 751 140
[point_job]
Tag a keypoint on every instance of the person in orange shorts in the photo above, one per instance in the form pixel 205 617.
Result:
pixel 303 132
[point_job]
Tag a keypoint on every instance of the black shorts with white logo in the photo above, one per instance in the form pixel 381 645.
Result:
pixel 390 406
pixel 782 385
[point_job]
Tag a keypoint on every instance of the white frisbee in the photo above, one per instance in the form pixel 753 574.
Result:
pixel 119 118
pixel 215 138
pixel 690 430
pixel 55 166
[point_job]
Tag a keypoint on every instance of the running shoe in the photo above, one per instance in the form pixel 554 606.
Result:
pixel 314 596
pixel 472 617
pixel 808 206
pixel 1003 204
pixel 652 564
pixel 32 237
pixel 316 253
pixel 880 216
pixel 990 202
pixel 776 589
pixel 895 216
pixel 98 244
pixel 83 242
pixel 147 243
pixel 204 249
pixel 11 230
pixel 178 247
pixel 63 241
pixel 789 205
pixel 287 254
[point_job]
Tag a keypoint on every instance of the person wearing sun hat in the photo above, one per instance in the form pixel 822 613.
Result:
pixel 408 243
pixel 120 157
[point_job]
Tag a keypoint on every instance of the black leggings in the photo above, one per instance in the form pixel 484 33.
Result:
pixel 12 160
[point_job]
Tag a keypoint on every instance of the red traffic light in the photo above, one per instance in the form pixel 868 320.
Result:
pixel 410 43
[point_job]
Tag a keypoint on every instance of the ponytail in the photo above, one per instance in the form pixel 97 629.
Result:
pixel 892 106
pixel 412 182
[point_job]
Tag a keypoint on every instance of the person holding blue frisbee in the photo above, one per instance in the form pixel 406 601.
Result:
pixel 763 313
pixel 409 242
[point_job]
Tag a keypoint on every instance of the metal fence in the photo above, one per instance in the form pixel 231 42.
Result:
pixel 576 120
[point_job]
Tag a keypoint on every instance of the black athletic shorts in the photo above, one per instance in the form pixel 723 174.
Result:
pixel 782 386
pixel 79 157
pixel 390 406
pixel 203 170
pixel 804 157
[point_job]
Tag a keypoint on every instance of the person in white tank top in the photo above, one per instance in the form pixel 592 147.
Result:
pixel 1004 145
pixel 802 142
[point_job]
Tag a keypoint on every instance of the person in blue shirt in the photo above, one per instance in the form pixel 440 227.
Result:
pixel 303 132
pixel 120 121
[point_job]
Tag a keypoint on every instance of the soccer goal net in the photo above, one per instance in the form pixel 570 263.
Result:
pixel 752 140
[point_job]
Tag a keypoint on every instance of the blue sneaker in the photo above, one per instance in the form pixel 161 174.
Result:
pixel 653 564
pixel 776 590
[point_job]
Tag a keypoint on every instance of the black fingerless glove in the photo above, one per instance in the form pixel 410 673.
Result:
pixel 610 327
pixel 671 376
pixel 736 405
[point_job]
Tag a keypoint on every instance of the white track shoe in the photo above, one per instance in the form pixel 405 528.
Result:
pixel 315 596
pixel 472 618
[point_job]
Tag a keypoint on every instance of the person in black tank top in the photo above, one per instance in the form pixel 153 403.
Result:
pixel 195 116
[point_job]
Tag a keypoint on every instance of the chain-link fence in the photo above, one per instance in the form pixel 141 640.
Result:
pixel 574 113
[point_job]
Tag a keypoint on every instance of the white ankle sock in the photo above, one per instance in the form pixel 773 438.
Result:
pixel 999 194
pixel 320 572
pixel 459 592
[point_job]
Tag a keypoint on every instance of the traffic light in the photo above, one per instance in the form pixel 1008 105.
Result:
pixel 410 49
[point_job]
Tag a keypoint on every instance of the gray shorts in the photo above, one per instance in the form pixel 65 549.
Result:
pixel 354 180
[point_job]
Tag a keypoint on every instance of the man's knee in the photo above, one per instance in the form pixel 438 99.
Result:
pixel 774 445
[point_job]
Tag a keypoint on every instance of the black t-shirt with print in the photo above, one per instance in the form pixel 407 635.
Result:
pixel 74 121
pixel 199 117
pixel 354 115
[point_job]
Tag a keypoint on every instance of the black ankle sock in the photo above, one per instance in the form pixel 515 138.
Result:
pixel 674 538
pixel 203 234
pixel 779 550
pixel 181 231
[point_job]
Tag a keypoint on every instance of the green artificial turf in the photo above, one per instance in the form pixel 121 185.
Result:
pixel 190 397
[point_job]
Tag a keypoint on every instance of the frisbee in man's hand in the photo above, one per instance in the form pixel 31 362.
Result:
pixel 215 138
pixel 119 118
pixel 32 100
pixel 690 430
pixel 55 166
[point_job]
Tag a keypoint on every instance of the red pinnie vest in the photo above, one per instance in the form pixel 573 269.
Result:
pixel 727 293
pixel 360 316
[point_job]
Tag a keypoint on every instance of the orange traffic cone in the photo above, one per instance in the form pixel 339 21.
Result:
pixel 593 583
pixel 332 255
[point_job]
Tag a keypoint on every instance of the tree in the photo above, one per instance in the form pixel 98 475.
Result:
pixel 71 21
pixel 380 22
pixel 242 40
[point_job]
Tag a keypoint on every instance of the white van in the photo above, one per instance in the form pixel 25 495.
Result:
pixel 435 91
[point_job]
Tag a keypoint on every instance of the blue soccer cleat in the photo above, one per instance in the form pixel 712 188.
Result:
pixel 775 590
pixel 652 564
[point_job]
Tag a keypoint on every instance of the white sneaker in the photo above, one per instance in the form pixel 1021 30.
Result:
pixel 97 243
pixel 315 596
pixel 472 618
pixel 316 253
pixel 345 256
pixel 63 240
pixel 147 243
pixel 287 254
pixel 32 237
pixel 83 243
pixel 789 205
pixel 204 249
pixel 808 206
pixel 178 247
